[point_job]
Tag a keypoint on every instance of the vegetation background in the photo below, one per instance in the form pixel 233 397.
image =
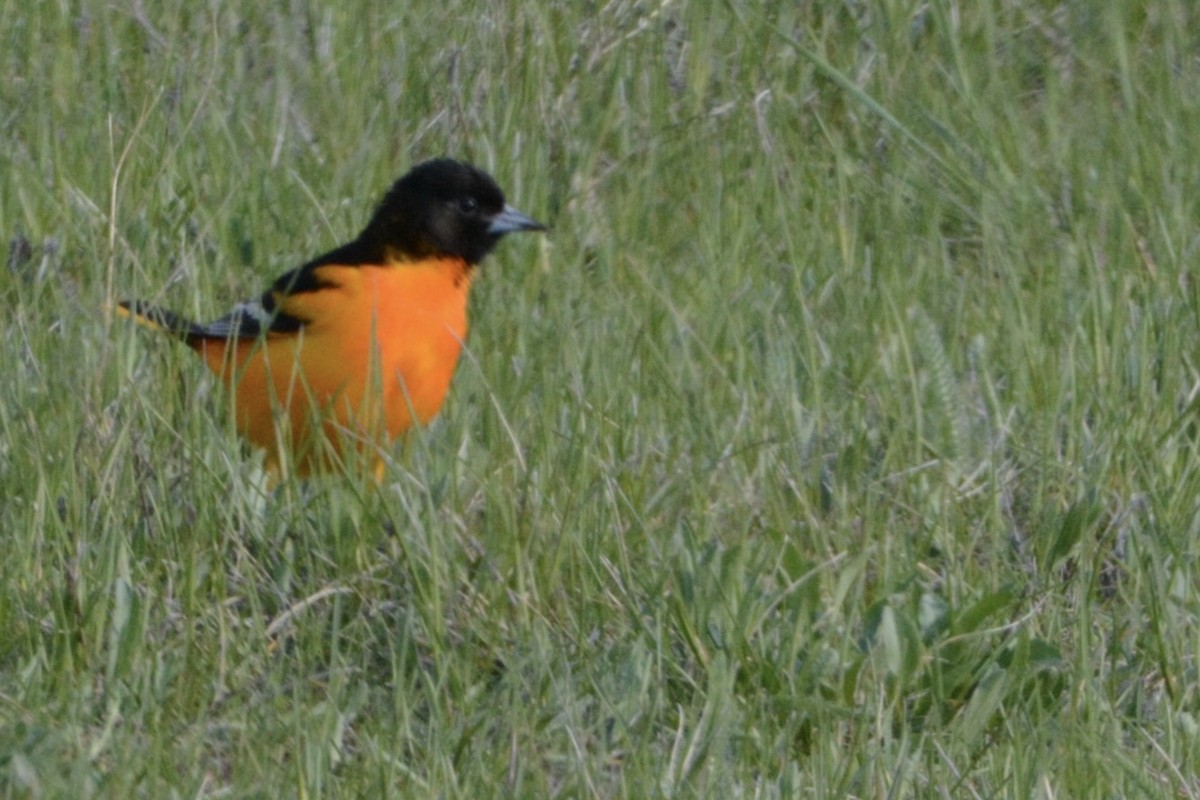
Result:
pixel 839 441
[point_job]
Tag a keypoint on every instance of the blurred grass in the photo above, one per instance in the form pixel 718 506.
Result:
pixel 838 441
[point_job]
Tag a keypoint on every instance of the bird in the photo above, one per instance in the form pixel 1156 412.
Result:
pixel 353 348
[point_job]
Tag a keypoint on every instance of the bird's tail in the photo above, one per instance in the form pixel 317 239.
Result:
pixel 158 319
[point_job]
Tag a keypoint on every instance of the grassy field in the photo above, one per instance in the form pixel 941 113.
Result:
pixel 839 441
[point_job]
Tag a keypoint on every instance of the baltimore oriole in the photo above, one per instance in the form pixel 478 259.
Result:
pixel 354 346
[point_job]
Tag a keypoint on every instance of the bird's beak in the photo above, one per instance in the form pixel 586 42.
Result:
pixel 512 221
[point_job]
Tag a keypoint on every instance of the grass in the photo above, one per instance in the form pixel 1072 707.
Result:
pixel 839 441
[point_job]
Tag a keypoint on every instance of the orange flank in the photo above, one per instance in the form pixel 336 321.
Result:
pixel 405 323
pixel 356 346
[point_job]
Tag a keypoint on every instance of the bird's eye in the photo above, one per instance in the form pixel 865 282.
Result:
pixel 468 205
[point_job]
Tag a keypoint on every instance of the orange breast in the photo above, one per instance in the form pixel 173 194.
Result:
pixel 377 352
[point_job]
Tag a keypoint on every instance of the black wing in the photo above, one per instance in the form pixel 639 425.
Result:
pixel 265 314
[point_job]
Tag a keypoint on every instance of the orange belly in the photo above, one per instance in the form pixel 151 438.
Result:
pixel 376 354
